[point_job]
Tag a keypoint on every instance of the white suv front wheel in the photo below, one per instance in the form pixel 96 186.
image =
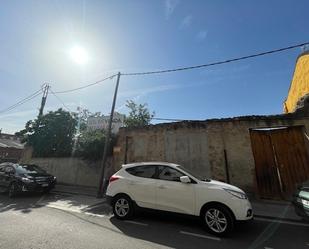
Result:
pixel 218 220
pixel 122 207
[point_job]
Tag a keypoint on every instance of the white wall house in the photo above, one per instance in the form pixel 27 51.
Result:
pixel 101 122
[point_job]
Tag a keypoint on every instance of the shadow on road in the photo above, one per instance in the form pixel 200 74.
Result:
pixel 101 208
pixel 23 203
pixel 167 229
pixel 26 202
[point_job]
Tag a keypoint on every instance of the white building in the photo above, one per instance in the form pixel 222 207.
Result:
pixel 101 122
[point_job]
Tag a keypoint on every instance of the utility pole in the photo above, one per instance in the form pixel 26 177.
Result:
pixel 102 180
pixel 44 97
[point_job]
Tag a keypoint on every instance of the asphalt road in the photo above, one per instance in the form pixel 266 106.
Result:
pixel 68 221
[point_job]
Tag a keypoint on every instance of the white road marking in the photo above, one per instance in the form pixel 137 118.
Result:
pixel 94 215
pixel 136 223
pixel 283 222
pixel 200 235
pixel 75 210
pixel 268 247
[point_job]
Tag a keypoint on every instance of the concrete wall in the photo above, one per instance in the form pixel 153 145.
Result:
pixel 199 145
pixel 73 171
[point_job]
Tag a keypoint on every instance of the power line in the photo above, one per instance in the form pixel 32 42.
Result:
pixel 21 102
pixel 60 100
pixel 189 67
pixel 219 62
pixel 82 87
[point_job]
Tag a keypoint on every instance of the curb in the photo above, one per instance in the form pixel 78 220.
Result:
pixel 73 193
pixel 278 218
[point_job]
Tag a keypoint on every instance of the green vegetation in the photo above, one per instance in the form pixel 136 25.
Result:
pixel 139 115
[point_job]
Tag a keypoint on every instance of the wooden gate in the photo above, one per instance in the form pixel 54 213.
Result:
pixel 281 160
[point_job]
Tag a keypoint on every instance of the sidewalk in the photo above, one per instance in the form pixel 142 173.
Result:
pixel 278 210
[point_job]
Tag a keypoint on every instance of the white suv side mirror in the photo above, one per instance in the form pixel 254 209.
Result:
pixel 185 179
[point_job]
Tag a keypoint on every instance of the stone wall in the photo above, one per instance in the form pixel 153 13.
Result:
pixel 200 145
pixel 233 135
pixel 181 143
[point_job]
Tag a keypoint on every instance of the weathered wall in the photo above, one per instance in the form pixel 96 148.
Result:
pixel 73 171
pixel 181 143
pixel 300 83
pixel 199 145
pixel 233 135
pixel 12 154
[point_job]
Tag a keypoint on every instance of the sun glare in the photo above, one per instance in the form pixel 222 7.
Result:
pixel 79 55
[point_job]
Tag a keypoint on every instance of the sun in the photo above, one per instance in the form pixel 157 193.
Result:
pixel 79 55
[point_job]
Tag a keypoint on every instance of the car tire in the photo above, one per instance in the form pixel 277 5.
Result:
pixel 123 207
pixel 218 220
pixel 13 189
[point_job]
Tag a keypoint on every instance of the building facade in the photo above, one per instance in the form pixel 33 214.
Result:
pixel 11 149
pixel 300 83
pixel 101 122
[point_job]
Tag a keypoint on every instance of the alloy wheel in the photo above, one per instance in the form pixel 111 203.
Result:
pixel 216 220
pixel 122 207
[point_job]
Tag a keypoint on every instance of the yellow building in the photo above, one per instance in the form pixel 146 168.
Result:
pixel 300 83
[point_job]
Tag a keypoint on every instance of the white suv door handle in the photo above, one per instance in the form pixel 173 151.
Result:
pixel 162 187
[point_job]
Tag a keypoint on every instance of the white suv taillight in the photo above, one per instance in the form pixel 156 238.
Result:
pixel 113 178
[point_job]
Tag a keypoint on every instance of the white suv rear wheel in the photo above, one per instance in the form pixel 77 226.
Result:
pixel 122 207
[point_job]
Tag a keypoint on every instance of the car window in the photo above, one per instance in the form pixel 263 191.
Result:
pixel 143 171
pixel 29 169
pixel 169 174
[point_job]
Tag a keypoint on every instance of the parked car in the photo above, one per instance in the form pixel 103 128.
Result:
pixel 301 201
pixel 18 178
pixel 170 187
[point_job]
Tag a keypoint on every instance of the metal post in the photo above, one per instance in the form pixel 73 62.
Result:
pixel 227 172
pixel 107 143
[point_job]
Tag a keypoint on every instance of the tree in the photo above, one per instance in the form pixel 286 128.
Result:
pixel 139 115
pixel 50 134
pixel 91 143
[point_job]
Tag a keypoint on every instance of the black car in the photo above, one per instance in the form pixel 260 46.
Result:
pixel 301 201
pixel 18 178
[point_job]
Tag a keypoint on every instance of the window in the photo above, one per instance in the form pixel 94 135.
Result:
pixel 169 174
pixel 29 168
pixel 143 171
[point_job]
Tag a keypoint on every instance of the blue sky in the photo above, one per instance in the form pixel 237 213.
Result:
pixel 145 35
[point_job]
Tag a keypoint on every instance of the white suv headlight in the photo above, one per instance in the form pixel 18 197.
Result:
pixel 236 193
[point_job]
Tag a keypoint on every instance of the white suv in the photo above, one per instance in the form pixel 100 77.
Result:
pixel 170 187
